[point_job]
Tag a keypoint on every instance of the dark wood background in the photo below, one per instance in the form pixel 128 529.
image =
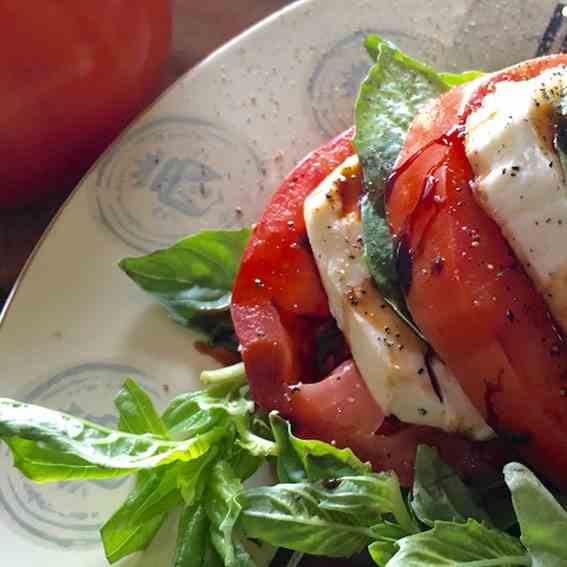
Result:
pixel 199 28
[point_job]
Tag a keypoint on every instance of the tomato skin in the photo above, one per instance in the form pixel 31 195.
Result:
pixel 496 335
pixel 73 74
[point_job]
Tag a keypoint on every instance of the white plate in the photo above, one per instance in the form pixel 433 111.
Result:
pixel 221 138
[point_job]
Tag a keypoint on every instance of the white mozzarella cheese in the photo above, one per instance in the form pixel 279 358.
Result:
pixel 390 357
pixel 519 179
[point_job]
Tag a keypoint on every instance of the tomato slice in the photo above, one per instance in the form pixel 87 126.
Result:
pixel 467 291
pixel 279 308
pixel 278 301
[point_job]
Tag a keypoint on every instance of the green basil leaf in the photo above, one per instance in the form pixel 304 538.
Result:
pixel 194 547
pixel 223 510
pixel 193 280
pixel 380 259
pixel 192 477
pixel 244 463
pixel 193 413
pixel 331 517
pixel 136 411
pixel 49 446
pixel 439 494
pixel 396 88
pixel 456 79
pixel 543 521
pixel 289 516
pixel 192 538
pixel 459 545
pixel 252 443
pixel 300 459
pixel 373 43
pixel 386 546
pixel 212 558
pixel 225 380
pixel 133 526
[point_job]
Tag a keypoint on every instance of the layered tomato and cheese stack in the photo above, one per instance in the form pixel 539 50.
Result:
pixel 477 208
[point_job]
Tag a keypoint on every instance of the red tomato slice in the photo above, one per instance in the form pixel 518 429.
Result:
pixel 279 307
pixel 278 301
pixel 467 291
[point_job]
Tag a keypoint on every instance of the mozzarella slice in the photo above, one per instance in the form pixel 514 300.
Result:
pixel 392 360
pixel 519 180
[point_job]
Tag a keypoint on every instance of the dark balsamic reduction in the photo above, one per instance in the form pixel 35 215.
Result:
pixel 403 263
pixel 432 376
pixel 350 190
pixel 417 222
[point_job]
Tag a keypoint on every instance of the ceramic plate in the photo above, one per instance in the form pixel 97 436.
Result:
pixel 209 153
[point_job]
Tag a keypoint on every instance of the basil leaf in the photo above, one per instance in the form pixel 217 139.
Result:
pixel 252 443
pixel 396 88
pixel 300 459
pixel 223 510
pixel 194 547
pixel 386 546
pixel 193 280
pixel 136 411
pixel 192 477
pixel 543 521
pixel 225 380
pixel 456 79
pixel 133 526
pixel 165 494
pixel 381 259
pixel 333 517
pixel 289 516
pixel 192 538
pixel 49 446
pixel 192 413
pixel 459 545
pixel 243 463
pixel 439 494
pixel 373 43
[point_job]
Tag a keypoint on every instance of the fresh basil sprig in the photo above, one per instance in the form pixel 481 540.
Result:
pixel 50 446
pixel 193 280
pixel 330 502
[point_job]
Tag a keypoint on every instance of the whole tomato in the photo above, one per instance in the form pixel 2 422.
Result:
pixel 72 75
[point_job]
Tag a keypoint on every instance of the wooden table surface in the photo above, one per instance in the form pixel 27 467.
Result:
pixel 199 28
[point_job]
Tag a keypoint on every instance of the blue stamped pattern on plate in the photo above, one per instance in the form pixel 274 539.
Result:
pixel 69 514
pixel 172 176
pixel 334 84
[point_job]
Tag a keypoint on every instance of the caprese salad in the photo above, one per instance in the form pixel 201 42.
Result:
pixel 400 311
